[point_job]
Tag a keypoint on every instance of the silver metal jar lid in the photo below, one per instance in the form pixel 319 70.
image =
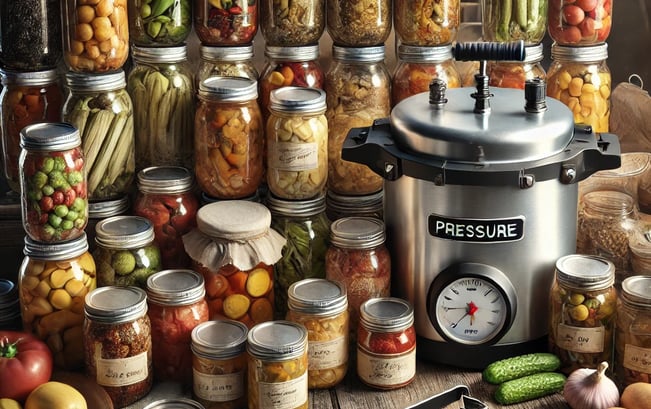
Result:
pixel 175 403
pixel 62 250
pixel 235 53
pixel 230 89
pixel 298 99
pixel 159 54
pixel 414 53
pixel 296 208
pixel 165 179
pixel 386 314
pixel 29 78
pixel 219 339
pixel 277 340
pixel 113 304
pixel 78 81
pixel 124 232
pixel 175 287
pixel 302 53
pixel 50 136
pixel 317 296
pixel 234 219
pixel 361 204
pixel 108 208
pixel 357 232
pixel 585 272
pixel 586 54
pixel 358 54
pixel 636 290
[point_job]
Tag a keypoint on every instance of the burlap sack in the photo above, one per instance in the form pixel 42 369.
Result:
pixel 630 115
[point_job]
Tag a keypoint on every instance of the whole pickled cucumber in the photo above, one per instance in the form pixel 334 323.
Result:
pixel 529 387
pixel 519 366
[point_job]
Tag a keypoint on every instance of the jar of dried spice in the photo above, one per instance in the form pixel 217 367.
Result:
pixel 234 61
pixel 292 23
pixel 359 23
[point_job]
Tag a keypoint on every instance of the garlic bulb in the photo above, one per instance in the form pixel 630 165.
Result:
pixel 591 389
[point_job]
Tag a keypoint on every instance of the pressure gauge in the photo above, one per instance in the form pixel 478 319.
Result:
pixel 472 304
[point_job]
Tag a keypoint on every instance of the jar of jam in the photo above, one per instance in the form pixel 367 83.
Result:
pixel 358 90
pixel 386 343
pixel 339 206
pixel 176 305
pixel 175 403
pixel 514 20
pixel 513 74
pixel 117 343
pixel 321 306
pixel 53 280
pixel 293 23
pixel 10 318
pixel 228 138
pixel 126 253
pixel 418 66
pixel 234 61
pixel 52 169
pixel 356 24
pixel 26 98
pixel 219 364
pixel 156 24
pixel 101 108
pixel 582 311
pixel 98 211
pixel 277 365
pixel 161 87
pixel 225 22
pixel 95 35
pixel 166 197
pixel 579 23
pixel 580 78
pixel 235 249
pixel 427 23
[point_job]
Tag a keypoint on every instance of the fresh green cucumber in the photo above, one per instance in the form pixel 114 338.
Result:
pixel 519 366
pixel 529 387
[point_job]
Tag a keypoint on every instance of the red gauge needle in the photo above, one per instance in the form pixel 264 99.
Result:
pixel 472 309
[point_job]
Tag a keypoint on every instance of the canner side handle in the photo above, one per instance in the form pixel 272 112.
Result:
pixel 375 152
pixel 604 154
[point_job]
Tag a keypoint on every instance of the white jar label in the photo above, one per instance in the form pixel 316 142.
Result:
pixel 384 371
pixel 577 339
pixel 283 395
pixel 637 359
pixel 293 157
pixel 327 354
pixel 123 371
pixel 218 388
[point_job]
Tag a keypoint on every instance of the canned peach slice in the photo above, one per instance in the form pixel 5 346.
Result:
pixel 258 282
pixel 60 277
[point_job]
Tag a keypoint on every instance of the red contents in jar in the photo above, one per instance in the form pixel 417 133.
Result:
pixel 573 22
pixel 226 22
pixel 387 343
pixel 299 74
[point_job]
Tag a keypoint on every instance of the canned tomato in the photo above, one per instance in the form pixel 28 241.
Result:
pixel 225 22
pixel 583 22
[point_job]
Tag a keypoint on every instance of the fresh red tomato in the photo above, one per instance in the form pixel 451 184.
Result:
pixel 25 363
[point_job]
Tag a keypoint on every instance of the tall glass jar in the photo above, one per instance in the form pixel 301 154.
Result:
pixel 321 306
pixel 228 138
pixel 359 23
pixel 427 22
pixel 117 343
pixel 338 206
pixel 358 91
pixel 581 22
pixel 582 304
pixel 292 23
pixel 159 23
pixel 513 20
pixel 101 108
pixel 161 87
pixel 52 169
pixel 26 98
pixel 53 280
pixel 225 22
pixel 580 78
pixel 95 35
pixel 234 61
pixel 176 305
pixel 513 74
pixel 166 197
pixel 640 244
pixel 278 366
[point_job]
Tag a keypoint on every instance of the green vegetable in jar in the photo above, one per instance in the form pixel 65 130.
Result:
pixel 123 262
pixel 512 20
pixel 159 22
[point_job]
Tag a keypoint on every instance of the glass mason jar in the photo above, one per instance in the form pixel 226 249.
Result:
pixel 582 304
pixel 386 343
pixel 52 169
pixel 579 23
pixel 321 306
pixel 95 35
pixel 161 87
pixel 53 280
pixel 10 314
pixel 513 20
pixel 513 74
pixel 98 211
pixel 358 91
pixel 101 108
pixel 117 343
pixel 26 98
pixel 159 23
pixel 219 364
pixel 633 332
pixel 166 197
pixel 297 143
pixel 176 305
pixel 426 23
pixel 228 138
pixel 225 22
pixel 580 78
pixel 358 24
pixel 306 228
pixel 339 206
pixel 235 249
pixel 640 246
pixel 126 253
pixel 418 66
pixel 292 23
pixel 277 366
pixel 234 61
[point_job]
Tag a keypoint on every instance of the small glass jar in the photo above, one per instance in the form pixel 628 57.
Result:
pixel 53 280
pixel 175 403
pixel 101 108
pixel 117 343
pixel 95 35
pixel 582 304
pixel 161 87
pixel 292 23
pixel 322 307
pixel 176 305
pixel 427 23
pixel 235 250
pixel 52 169
pixel 126 253
pixel 579 23
pixel 10 318
pixel 26 98
pixel 339 206
pixel 228 138
pixel 219 364
pixel 98 211
pixel 358 91
pixel 580 78
pixel 278 365
pixel 355 24
pixel 640 246
pixel 166 197
pixel 159 24
pixel 235 61
pixel 386 343
pixel 633 332
pixel 418 66
pixel 511 20
pixel 513 74
pixel 225 22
